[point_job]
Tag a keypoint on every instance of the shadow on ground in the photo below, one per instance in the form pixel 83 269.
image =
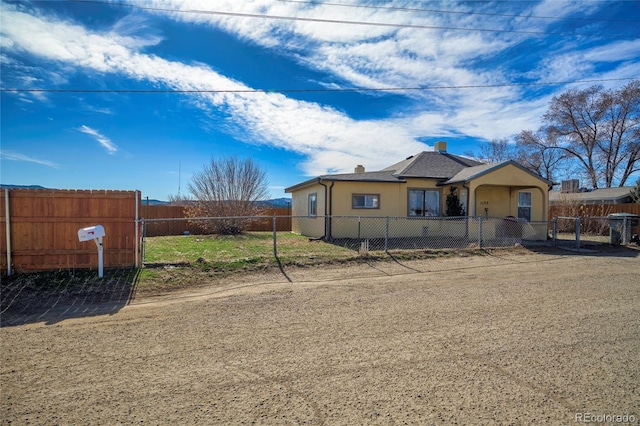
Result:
pixel 55 296
pixel 587 249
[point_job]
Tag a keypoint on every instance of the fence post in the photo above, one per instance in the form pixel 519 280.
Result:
pixel 577 229
pixel 143 245
pixel 479 231
pixel 386 234
pixel 7 210
pixel 554 232
pixel 275 246
pixel 136 223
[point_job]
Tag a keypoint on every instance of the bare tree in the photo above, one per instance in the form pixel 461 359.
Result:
pixel 231 188
pixel 537 151
pixel 493 152
pixel 179 199
pixel 600 130
pixel 620 144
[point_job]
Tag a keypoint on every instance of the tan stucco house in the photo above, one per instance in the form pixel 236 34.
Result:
pixel 417 187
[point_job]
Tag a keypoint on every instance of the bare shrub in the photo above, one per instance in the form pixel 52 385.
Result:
pixel 229 188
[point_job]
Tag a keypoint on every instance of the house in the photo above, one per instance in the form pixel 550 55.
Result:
pixel 620 195
pixel 416 188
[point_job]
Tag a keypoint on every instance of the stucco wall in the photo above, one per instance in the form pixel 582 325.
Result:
pixel 393 197
pixel 490 192
pixel 310 226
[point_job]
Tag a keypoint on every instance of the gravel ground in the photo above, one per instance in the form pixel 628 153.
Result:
pixel 515 338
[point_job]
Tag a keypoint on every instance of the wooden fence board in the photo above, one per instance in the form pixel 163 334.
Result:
pixel 283 221
pixel 44 226
pixel 594 210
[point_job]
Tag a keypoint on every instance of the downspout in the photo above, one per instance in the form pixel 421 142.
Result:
pixel 326 224
pixel 330 237
pixel 464 185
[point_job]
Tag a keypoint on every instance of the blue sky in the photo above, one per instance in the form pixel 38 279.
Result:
pixel 141 96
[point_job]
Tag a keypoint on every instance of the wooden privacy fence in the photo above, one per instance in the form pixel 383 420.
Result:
pixel 39 229
pixel 594 211
pixel 283 221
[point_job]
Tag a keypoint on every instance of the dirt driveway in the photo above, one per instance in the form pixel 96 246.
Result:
pixel 515 338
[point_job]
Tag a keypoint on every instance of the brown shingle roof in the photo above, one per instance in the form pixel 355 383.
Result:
pixel 431 164
pixel 604 195
pixel 426 164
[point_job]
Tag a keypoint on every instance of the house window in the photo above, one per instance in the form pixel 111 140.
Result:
pixel 524 205
pixel 313 204
pixel 424 202
pixel 365 201
pixel 462 198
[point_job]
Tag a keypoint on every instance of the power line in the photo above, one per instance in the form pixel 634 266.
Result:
pixel 347 22
pixel 455 12
pixel 323 90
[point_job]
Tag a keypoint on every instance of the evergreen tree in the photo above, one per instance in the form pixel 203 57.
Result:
pixel 454 208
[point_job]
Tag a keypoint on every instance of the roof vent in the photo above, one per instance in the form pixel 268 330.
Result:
pixel 359 168
pixel 440 147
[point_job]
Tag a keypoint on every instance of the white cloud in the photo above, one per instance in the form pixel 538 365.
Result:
pixel 102 140
pixel 327 137
pixel 575 64
pixel 362 56
pixel 14 156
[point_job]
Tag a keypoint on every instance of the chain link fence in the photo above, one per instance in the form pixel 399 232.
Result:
pixel 582 231
pixel 189 239
pixel 397 233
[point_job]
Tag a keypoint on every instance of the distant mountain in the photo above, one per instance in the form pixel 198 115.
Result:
pixel 152 202
pixel 276 203
pixel 279 202
pixel 9 186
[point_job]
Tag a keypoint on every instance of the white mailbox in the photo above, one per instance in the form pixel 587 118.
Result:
pixel 94 233
pixel 90 233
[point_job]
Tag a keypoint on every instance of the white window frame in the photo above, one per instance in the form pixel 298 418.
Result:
pixel 312 204
pixel 526 207
pixel 370 201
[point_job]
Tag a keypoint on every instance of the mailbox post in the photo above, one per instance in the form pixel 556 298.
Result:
pixel 94 233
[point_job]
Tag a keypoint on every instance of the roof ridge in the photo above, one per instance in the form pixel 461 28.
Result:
pixel 412 159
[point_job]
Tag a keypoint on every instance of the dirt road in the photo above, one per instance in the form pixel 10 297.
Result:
pixel 515 338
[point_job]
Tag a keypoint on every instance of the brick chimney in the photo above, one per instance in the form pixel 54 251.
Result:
pixel 359 169
pixel 440 146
